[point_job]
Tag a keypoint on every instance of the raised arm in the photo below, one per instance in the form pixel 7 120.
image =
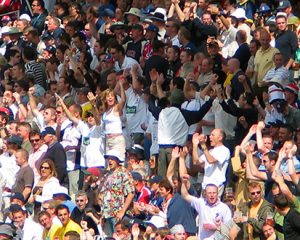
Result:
pixel 252 167
pixel 259 141
pixel 122 102
pixel 182 156
pixel 195 156
pixel 247 138
pixel 66 110
pixel 97 115
pixel 184 191
pixel 32 102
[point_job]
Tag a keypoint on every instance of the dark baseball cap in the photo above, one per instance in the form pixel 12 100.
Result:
pixel 48 130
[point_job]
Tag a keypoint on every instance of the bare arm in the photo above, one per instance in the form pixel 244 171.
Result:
pixel 179 12
pixel 259 141
pixel 184 192
pixel 249 173
pixel 66 110
pixel 182 167
pixel 32 102
pixel 121 104
pixel 26 192
pixel 195 155
pixel 171 11
pixel 171 167
pixel 247 138
pixel 159 82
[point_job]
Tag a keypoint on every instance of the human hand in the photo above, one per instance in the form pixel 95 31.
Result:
pixel 83 224
pixel 209 226
pixel 242 78
pixel 185 178
pixel 153 75
pixel 256 101
pixel 195 139
pixel 253 129
pixel 160 79
pixel 17 97
pixel 261 125
pixel 183 152
pixel 92 98
pixel 175 153
pixel 228 91
pixel 202 139
pixel 120 215
pixel 135 230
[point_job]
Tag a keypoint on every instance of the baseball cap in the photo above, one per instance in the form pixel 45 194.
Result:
pixel 84 90
pixel 284 4
pixel 152 28
pixel 50 49
pixel 137 176
pixel 15 139
pixel 18 196
pixel 138 150
pixel 6 18
pixel 155 179
pixel 48 130
pixel 92 171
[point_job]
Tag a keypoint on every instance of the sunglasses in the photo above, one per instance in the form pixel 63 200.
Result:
pixel 79 200
pixel 255 193
pixel 46 168
pixel 34 140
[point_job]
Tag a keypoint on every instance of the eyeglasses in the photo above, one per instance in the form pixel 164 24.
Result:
pixel 46 168
pixel 255 193
pixel 35 140
pixel 79 200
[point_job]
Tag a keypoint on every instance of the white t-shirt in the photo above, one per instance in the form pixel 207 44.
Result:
pixel 136 111
pixel 215 172
pixel 208 214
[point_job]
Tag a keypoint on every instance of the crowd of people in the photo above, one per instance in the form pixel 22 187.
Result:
pixel 151 120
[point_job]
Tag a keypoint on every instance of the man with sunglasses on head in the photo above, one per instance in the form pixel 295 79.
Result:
pixel 254 213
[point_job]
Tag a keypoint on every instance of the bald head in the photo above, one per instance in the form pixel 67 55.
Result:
pixel 241 36
pixel 234 65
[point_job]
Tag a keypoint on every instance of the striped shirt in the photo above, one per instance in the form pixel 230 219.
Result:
pixel 37 70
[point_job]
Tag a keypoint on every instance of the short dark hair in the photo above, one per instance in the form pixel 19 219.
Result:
pixel 119 48
pixel 179 82
pixel 29 53
pixel 167 185
pixel 61 207
pixel 11 53
pixel 281 201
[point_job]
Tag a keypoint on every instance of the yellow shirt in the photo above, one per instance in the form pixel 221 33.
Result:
pixel 263 62
pixel 71 226
pixel 252 214
pixel 49 235
pixel 86 107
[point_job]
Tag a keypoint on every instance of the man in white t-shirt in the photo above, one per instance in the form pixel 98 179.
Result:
pixel 212 212
pixel 215 160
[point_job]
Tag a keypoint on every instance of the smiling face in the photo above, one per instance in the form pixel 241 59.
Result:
pixel 81 202
pixel 45 170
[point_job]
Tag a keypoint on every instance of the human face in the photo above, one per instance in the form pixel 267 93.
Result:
pixel 36 142
pixel 16 59
pixel 281 23
pixel 45 221
pixel 267 162
pixel 204 67
pixel 51 25
pixel 255 195
pixel 180 235
pixel 278 60
pixel 16 72
pixel 19 159
pixel 35 7
pixel 284 134
pixel 253 48
pixel 97 48
pixel 17 88
pixel 110 99
pixel 154 187
pixel 91 120
pixel 268 143
pixel 7 98
pixel 47 114
pixel 45 170
pixel 171 54
pixel 211 193
pixel 268 230
pixel 64 216
pixel 81 202
pixel 214 137
pixel 264 40
pixel 22 132
pixel 19 218
pixel 112 164
pixel 48 139
pixel 59 55
pixel 206 19
pixel 163 192
pixel 111 80
pixel 184 58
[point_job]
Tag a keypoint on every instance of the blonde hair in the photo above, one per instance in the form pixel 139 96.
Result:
pixel 51 165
